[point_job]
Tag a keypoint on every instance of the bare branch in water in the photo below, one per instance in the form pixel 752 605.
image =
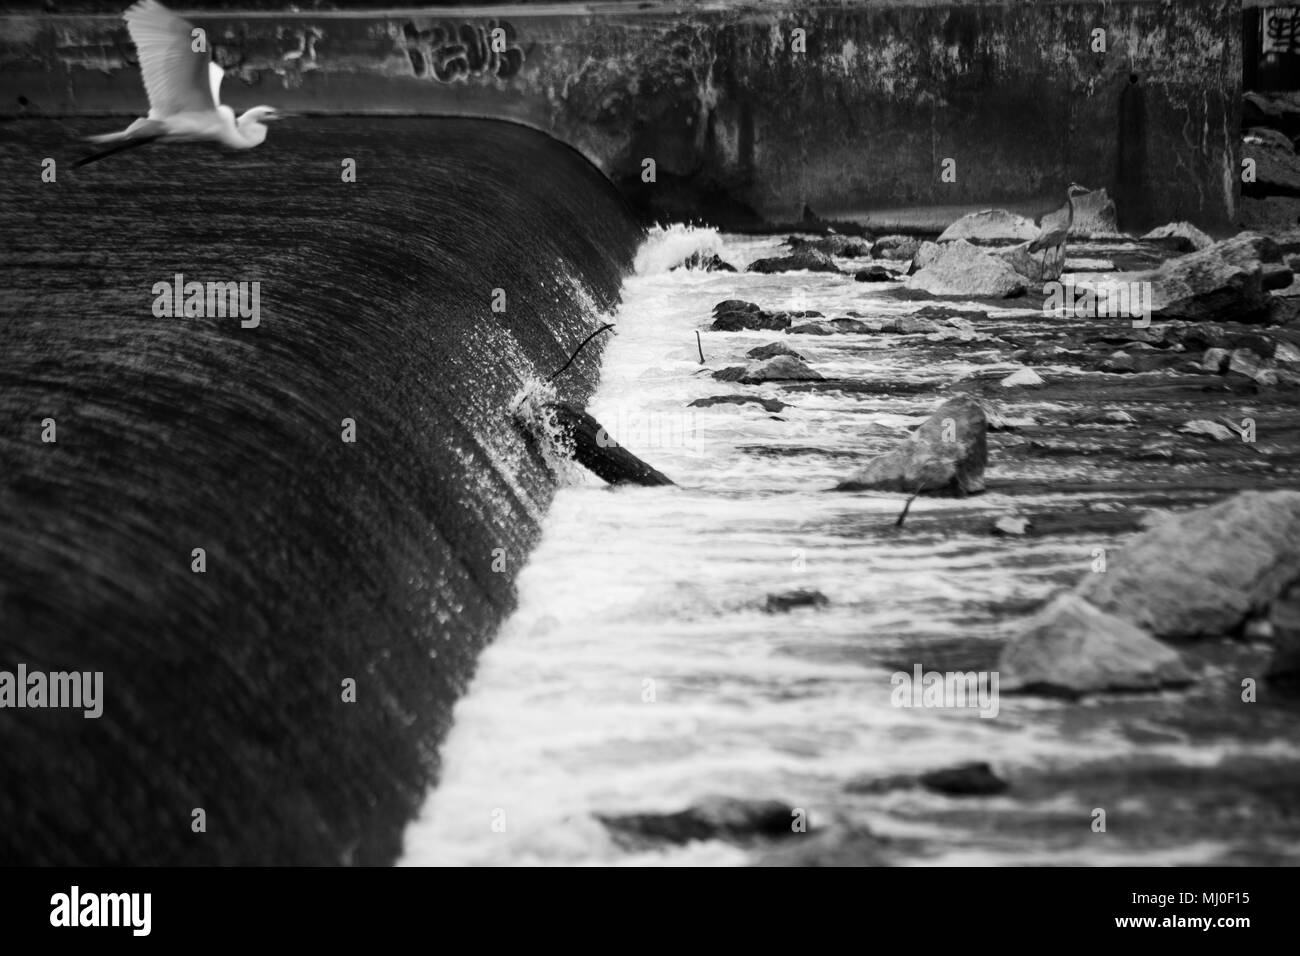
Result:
pixel 607 325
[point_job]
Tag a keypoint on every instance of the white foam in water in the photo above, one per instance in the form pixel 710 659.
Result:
pixel 666 248
pixel 640 671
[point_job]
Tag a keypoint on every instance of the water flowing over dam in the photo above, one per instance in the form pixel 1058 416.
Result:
pixel 388 560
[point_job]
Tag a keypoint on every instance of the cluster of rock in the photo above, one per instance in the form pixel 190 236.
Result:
pixel 1270 192
pixel 1218 572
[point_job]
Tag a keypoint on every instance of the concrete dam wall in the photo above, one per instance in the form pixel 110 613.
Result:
pixel 756 114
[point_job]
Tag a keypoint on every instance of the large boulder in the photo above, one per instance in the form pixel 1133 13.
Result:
pixel 1202 573
pixel 1179 236
pixel 990 226
pixel 1070 647
pixel 1094 215
pixel 804 258
pixel 1222 281
pixel 960 269
pixel 1277 168
pixel 1036 267
pixel 944 457
pixel 1271 214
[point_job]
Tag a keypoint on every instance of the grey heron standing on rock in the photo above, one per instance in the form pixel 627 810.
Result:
pixel 1054 229
pixel 183 86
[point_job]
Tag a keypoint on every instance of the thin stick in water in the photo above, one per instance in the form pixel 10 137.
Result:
pixel 607 325
pixel 699 346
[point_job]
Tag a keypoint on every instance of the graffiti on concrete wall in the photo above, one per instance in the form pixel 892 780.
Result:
pixel 1281 30
pixel 449 52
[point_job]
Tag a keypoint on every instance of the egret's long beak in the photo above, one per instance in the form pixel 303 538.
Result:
pixel 283 114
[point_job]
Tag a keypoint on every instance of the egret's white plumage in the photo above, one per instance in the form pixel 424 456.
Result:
pixel 184 88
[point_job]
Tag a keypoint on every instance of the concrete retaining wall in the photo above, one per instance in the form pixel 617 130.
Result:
pixel 746 125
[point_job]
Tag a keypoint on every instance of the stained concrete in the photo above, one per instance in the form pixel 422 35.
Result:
pixel 743 129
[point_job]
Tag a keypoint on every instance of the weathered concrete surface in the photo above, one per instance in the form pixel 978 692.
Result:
pixel 743 129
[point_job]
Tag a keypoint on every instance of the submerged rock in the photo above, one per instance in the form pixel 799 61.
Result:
pixel 1071 647
pixel 991 225
pixel 895 247
pixel 1202 573
pixel 964 780
pixel 788 600
pixel 712 263
pixel 780 368
pixel 1179 236
pixel 812 328
pixel 804 258
pixel 875 274
pixel 773 349
pixel 944 457
pixel 714 818
pixel 960 269
pixel 739 321
pixel 735 305
pixel 767 404
pixel 942 313
pixel 975 779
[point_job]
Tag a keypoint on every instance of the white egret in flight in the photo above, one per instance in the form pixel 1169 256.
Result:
pixel 184 90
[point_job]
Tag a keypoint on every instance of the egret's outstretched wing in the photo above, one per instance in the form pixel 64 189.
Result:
pixel 176 78
pixel 216 74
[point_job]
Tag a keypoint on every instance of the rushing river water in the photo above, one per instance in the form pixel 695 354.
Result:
pixel 642 671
